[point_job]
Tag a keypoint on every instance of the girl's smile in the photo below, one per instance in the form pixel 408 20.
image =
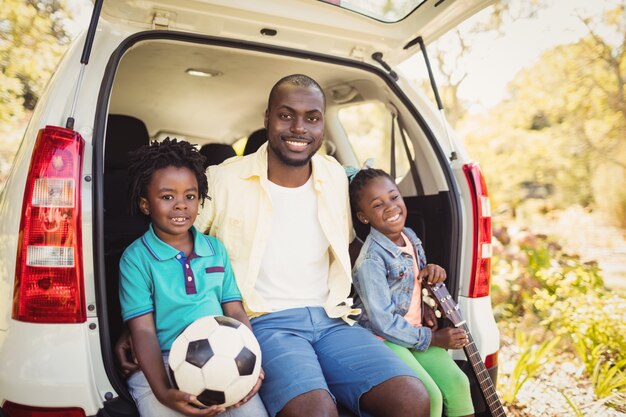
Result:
pixel 381 205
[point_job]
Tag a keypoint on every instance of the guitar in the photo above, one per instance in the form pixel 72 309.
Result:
pixel 450 310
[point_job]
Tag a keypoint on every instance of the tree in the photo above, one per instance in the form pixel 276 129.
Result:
pixel 568 115
pixel 450 53
pixel 32 39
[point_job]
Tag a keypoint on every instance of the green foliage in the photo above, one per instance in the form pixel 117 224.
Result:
pixel 608 378
pixel 531 358
pixel 540 285
pixel 577 411
pixel 32 39
pixel 561 130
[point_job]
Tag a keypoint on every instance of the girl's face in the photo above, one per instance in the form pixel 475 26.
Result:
pixel 382 206
pixel 171 202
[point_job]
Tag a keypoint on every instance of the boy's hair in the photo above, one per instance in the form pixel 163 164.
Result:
pixel 359 181
pixel 148 159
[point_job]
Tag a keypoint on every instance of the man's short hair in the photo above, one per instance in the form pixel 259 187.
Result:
pixel 299 80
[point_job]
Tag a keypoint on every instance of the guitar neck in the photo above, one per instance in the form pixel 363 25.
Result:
pixel 482 376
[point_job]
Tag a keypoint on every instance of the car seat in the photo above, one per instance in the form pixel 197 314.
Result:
pixel 255 140
pixel 216 153
pixel 124 134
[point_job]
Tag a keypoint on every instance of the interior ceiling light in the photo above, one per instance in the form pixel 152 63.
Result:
pixel 198 72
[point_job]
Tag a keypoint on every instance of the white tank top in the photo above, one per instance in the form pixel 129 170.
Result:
pixel 294 270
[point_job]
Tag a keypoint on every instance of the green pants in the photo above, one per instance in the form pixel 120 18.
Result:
pixel 446 384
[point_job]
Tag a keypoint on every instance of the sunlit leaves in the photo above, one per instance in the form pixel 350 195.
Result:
pixel 32 40
pixel 563 126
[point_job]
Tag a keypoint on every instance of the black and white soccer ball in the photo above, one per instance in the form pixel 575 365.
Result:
pixel 217 359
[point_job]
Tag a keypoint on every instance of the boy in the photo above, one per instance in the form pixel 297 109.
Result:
pixel 173 275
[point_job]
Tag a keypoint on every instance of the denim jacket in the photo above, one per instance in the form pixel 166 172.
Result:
pixel 384 280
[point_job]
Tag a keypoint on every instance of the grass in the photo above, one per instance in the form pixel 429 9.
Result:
pixel 532 357
pixel 540 288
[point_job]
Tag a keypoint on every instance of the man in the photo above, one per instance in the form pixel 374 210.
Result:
pixel 283 214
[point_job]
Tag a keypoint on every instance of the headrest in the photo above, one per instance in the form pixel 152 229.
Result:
pixel 216 153
pixel 255 140
pixel 124 134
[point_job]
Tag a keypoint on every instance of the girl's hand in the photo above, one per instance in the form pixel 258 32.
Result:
pixel 188 404
pixel 449 338
pixel 429 318
pixel 432 273
pixel 253 391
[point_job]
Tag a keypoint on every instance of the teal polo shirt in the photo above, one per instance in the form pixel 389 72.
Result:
pixel 157 278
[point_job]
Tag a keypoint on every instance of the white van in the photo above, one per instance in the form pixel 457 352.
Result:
pixel 201 70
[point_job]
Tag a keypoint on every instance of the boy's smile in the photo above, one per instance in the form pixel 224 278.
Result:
pixel 172 203
pixel 382 206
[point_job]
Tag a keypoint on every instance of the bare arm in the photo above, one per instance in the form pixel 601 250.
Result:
pixel 125 354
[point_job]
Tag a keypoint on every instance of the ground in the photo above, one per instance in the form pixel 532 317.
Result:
pixel 543 396
pixel 578 231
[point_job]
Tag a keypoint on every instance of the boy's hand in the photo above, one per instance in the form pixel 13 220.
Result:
pixel 125 354
pixel 432 273
pixel 188 404
pixel 449 338
pixel 253 391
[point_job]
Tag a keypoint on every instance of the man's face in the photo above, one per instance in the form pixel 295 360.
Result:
pixel 295 124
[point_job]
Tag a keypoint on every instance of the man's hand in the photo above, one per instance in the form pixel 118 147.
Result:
pixel 432 273
pixel 450 338
pixel 125 354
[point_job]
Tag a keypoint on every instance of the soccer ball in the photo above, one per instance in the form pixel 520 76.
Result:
pixel 217 359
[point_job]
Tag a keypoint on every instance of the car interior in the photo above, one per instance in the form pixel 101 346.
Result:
pixel 215 96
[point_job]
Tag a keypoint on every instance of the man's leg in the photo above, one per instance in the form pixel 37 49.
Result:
pixel 294 385
pixel 364 374
pixel 313 403
pixel 399 396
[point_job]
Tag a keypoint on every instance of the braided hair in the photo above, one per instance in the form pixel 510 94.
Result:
pixel 148 159
pixel 359 181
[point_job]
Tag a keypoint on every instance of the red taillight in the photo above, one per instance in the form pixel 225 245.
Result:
pixel 49 273
pixel 16 410
pixel 481 258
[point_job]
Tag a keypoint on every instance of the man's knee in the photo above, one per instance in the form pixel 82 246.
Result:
pixel 399 396
pixel 316 403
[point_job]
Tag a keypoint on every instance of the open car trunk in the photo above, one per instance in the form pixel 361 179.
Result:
pixel 148 93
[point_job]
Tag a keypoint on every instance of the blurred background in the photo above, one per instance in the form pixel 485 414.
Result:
pixel 536 89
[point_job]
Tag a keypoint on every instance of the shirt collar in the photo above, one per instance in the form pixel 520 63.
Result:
pixel 384 242
pixel 163 251
pixel 257 167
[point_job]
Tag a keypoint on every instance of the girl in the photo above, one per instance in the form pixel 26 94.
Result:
pixel 173 275
pixel 387 277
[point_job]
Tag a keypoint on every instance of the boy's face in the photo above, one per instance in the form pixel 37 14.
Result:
pixel 382 206
pixel 295 124
pixel 171 202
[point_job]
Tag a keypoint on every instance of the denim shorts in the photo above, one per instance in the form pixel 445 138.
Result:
pixel 305 350
pixel 149 406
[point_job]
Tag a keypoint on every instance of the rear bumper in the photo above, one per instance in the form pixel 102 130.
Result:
pixel 53 362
